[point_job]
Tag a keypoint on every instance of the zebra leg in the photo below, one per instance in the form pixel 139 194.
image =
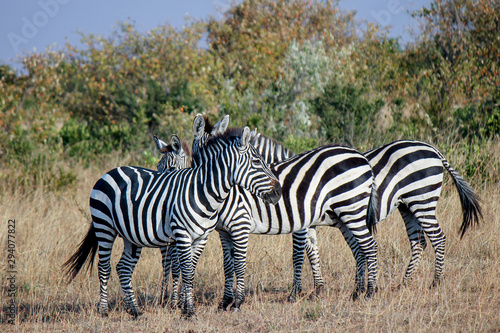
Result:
pixel 240 242
pixel 438 241
pixel 197 249
pixel 169 262
pixel 228 254
pixel 104 266
pixel 176 276
pixel 360 258
pixel 299 240
pixel 311 249
pixel 184 253
pixel 417 242
pixel 369 247
pixel 125 269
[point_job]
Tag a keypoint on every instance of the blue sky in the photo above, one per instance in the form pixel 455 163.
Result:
pixel 35 24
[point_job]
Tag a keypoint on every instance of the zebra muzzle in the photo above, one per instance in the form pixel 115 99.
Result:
pixel 273 195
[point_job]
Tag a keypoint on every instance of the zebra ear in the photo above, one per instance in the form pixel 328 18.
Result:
pixel 223 124
pixel 245 137
pixel 160 144
pixel 176 143
pixel 198 126
pixel 254 133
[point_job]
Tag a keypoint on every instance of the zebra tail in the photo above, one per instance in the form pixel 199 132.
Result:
pixel 86 252
pixel 471 202
pixel 372 211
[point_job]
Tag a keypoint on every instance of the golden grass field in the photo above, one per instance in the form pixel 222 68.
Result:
pixel 49 226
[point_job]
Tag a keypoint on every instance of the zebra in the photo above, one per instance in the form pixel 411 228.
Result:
pixel 327 183
pixel 150 209
pixel 177 161
pixel 409 176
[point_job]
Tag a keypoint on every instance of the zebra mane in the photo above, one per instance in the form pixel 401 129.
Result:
pixel 227 135
pixel 208 125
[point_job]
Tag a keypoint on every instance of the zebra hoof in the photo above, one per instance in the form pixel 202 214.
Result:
pixel 222 307
pixel 187 313
pixel 435 283
pixel 103 311
pixel 134 313
pixel 369 294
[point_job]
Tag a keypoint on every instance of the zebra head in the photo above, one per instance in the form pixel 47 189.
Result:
pixel 245 165
pixel 203 129
pixel 175 156
pixel 251 163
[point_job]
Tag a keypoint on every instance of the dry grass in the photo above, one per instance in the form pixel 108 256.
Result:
pixel 50 225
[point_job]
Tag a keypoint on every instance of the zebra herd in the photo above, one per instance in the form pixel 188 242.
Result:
pixel 241 182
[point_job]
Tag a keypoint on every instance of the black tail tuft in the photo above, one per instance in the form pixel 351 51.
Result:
pixel 471 202
pixel 372 212
pixel 86 252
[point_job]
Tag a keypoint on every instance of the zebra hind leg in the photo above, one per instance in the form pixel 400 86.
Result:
pixel 438 241
pixel 433 231
pixel 104 269
pixel 125 269
pixel 360 258
pixel 417 240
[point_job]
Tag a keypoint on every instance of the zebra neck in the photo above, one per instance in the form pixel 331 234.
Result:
pixel 213 185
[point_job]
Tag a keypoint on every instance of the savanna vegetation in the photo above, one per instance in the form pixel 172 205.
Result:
pixel 303 72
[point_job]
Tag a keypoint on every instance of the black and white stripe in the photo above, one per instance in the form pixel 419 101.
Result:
pixel 330 183
pixel 150 209
pixel 409 176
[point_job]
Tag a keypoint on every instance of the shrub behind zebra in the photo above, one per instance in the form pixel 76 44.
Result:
pixel 150 209
pixel 330 182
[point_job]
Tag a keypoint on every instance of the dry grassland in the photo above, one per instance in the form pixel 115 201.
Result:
pixel 50 225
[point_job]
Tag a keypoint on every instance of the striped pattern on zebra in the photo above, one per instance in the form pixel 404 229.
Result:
pixel 409 176
pixel 149 209
pixel 326 183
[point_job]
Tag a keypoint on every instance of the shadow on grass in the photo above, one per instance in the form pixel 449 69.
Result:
pixel 56 312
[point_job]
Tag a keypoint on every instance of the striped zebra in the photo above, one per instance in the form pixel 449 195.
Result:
pixel 409 176
pixel 180 160
pixel 327 183
pixel 150 209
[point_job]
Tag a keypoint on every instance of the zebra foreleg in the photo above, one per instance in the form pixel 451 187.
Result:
pixel 240 242
pixel 104 268
pixel 125 269
pixel 170 262
pixel 197 249
pixel 311 249
pixel 299 240
pixel 228 256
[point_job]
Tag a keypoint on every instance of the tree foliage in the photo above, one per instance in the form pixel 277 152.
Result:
pixel 301 71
